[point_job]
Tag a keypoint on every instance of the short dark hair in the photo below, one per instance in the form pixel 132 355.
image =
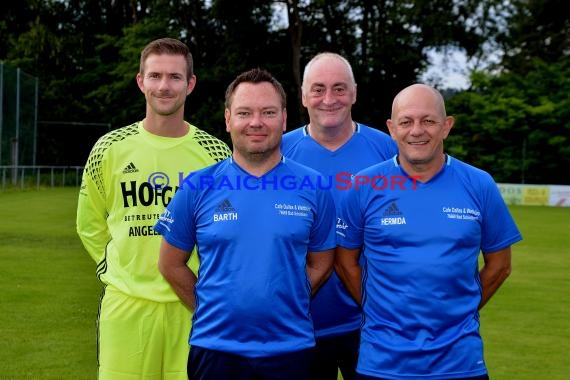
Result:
pixel 256 75
pixel 170 46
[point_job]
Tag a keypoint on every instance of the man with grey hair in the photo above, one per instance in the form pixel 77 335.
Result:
pixel 336 146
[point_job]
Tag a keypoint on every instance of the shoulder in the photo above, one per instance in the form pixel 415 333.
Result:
pixel 299 169
pixel 470 173
pixel 373 132
pixel 292 138
pixel 380 168
pixel 215 170
pixel 113 141
pixel 295 134
pixel 203 178
pixel 117 135
pixel 464 167
pixel 378 140
pixel 213 146
pixel 121 136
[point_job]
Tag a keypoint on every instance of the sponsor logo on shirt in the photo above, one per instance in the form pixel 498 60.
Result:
pixel 288 209
pixel 461 213
pixel 392 216
pixel 225 212
pixel 340 224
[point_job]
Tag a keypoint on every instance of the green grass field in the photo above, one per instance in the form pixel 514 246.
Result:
pixel 50 294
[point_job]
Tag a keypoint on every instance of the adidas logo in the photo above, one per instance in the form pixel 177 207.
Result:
pixel 392 210
pixel 130 168
pixel 225 212
pixel 392 216
pixel 225 206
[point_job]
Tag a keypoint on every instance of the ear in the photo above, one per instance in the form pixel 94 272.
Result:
pixel 354 95
pixel 303 98
pixel 227 115
pixel 191 84
pixel 140 82
pixel 447 125
pixel 284 119
pixel 391 128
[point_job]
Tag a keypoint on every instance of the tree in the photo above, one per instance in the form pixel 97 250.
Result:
pixel 387 42
pixel 536 29
pixel 516 126
pixel 86 56
pixel 513 122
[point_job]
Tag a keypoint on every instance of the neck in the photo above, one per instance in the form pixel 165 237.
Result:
pixel 332 138
pixel 423 171
pixel 257 164
pixel 166 126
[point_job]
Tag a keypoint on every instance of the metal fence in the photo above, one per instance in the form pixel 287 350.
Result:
pixel 35 177
pixel 18 116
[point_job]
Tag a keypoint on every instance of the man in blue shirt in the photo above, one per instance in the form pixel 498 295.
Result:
pixel 420 222
pixel 337 147
pixel 264 233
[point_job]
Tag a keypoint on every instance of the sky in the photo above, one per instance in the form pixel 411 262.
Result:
pixel 449 68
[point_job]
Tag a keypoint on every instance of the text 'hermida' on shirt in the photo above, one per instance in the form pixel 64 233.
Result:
pixel 340 181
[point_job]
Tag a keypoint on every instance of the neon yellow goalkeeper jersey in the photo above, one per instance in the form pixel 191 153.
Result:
pixel 130 177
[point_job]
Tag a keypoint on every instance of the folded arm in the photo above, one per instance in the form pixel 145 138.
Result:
pixel 172 263
pixel 496 269
pixel 349 270
pixel 319 267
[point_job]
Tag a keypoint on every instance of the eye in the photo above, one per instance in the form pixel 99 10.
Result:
pixel 339 90
pixel 428 122
pixel 405 123
pixel 242 114
pixel 270 113
pixel 317 91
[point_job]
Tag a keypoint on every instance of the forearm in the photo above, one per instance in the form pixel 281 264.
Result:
pixel 348 269
pixel 94 243
pixel 351 278
pixel 317 277
pixel 91 220
pixel 172 263
pixel 182 281
pixel 493 274
pixel 319 268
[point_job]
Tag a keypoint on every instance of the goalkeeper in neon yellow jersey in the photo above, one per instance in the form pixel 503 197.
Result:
pixel 130 176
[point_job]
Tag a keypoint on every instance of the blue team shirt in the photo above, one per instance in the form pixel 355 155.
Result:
pixel 421 288
pixel 252 236
pixel 334 310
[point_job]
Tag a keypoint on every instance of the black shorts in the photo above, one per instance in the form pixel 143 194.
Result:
pixel 339 352
pixel 204 364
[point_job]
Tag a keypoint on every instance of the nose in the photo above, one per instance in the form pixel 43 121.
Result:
pixel 417 128
pixel 163 83
pixel 256 119
pixel 329 96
